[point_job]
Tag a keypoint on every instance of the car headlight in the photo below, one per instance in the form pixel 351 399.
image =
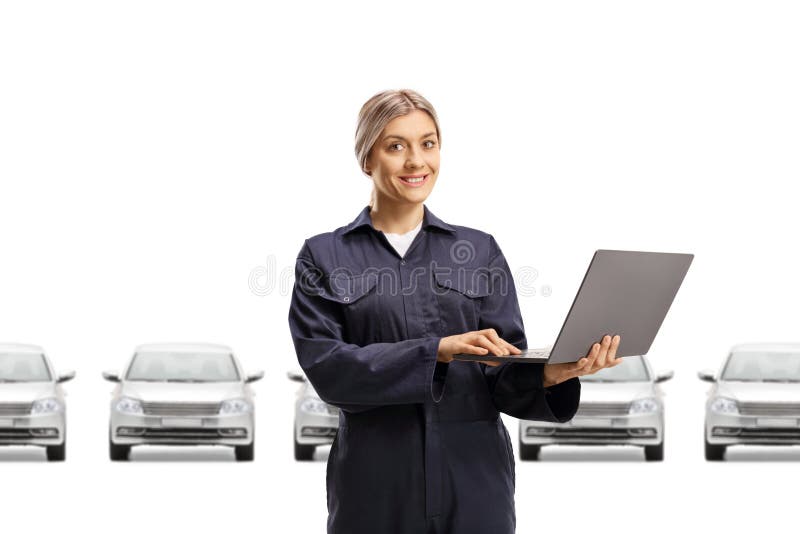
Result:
pixel 311 405
pixel 724 405
pixel 129 405
pixel 47 405
pixel 645 405
pixel 234 406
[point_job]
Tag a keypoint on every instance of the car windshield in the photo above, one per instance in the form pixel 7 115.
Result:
pixel 23 367
pixel 763 367
pixel 183 367
pixel 632 369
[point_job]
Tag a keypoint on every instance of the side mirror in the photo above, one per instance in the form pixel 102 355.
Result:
pixel 253 377
pixel 663 377
pixel 296 376
pixel 706 375
pixel 111 377
pixel 69 375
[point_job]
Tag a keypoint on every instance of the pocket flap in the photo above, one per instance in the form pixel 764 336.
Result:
pixel 473 283
pixel 348 289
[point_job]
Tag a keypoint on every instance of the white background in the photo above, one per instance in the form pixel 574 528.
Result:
pixel 154 155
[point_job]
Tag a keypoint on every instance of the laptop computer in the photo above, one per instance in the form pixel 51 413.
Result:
pixel 623 292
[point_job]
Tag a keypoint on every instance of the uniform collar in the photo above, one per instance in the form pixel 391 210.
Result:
pixel 428 219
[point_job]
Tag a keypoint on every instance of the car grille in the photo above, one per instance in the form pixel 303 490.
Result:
pixel 15 408
pixel 21 433
pixel 754 434
pixel 182 433
pixel 769 408
pixel 602 408
pixel 590 433
pixel 181 408
pixel 568 433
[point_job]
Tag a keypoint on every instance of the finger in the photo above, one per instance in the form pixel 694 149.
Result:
pixel 611 357
pixel 573 366
pixel 483 341
pixel 495 338
pixel 492 335
pixel 612 351
pixel 601 356
pixel 571 370
pixel 472 349
pixel 582 366
pixel 594 361
pixel 511 348
pixel 591 357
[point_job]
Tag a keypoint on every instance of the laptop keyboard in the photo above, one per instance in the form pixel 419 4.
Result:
pixel 536 353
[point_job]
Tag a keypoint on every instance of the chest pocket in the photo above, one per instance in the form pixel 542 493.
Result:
pixel 460 293
pixel 359 305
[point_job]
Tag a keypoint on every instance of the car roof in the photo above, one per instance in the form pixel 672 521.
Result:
pixel 766 347
pixel 21 347
pixel 205 348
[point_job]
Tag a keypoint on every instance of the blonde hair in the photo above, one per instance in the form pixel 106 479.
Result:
pixel 376 113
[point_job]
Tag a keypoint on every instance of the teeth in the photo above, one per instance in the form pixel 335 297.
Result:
pixel 414 180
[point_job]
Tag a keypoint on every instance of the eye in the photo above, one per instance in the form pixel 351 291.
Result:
pixel 433 143
pixel 394 144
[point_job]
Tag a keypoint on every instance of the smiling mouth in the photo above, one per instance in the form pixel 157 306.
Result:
pixel 414 179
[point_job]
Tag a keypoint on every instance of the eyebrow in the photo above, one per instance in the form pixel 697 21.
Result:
pixel 404 139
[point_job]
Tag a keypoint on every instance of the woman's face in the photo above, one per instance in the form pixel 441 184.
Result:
pixel 407 149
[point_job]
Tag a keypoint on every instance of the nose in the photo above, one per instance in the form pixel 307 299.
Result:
pixel 414 159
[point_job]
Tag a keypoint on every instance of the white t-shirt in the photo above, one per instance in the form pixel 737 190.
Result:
pixel 401 242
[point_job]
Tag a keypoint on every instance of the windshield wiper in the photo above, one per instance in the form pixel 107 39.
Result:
pixel 187 380
pixel 601 380
pixel 778 380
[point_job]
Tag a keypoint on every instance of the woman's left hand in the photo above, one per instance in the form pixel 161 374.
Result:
pixel 601 355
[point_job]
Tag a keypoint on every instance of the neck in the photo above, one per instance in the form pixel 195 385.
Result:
pixel 395 218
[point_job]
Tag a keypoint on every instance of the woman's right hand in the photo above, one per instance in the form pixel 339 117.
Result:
pixel 475 342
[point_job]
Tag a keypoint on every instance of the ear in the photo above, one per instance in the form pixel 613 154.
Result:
pixel 367 161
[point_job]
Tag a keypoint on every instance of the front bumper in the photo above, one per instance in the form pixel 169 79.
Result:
pixel 40 429
pixel 640 429
pixel 315 429
pixel 729 429
pixel 129 429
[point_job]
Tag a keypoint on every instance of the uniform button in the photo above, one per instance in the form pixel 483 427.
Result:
pixel 347 299
pixel 402 262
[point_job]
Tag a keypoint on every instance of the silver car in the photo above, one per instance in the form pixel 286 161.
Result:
pixel 620 405
pixel 315 421
pixel 32 407
pixel 182 394
pixel 755 399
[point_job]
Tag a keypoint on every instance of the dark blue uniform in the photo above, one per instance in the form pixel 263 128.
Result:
pixel 421 447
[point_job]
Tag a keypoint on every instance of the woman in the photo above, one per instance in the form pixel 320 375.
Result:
pixel 379 308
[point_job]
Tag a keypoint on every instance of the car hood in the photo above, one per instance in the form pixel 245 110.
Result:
pixel 760 391
pixel 615 391
pixel 182 392
pixel 26 391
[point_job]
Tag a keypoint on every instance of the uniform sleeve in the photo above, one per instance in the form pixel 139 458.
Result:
pixel 352 377
pixel 517 388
